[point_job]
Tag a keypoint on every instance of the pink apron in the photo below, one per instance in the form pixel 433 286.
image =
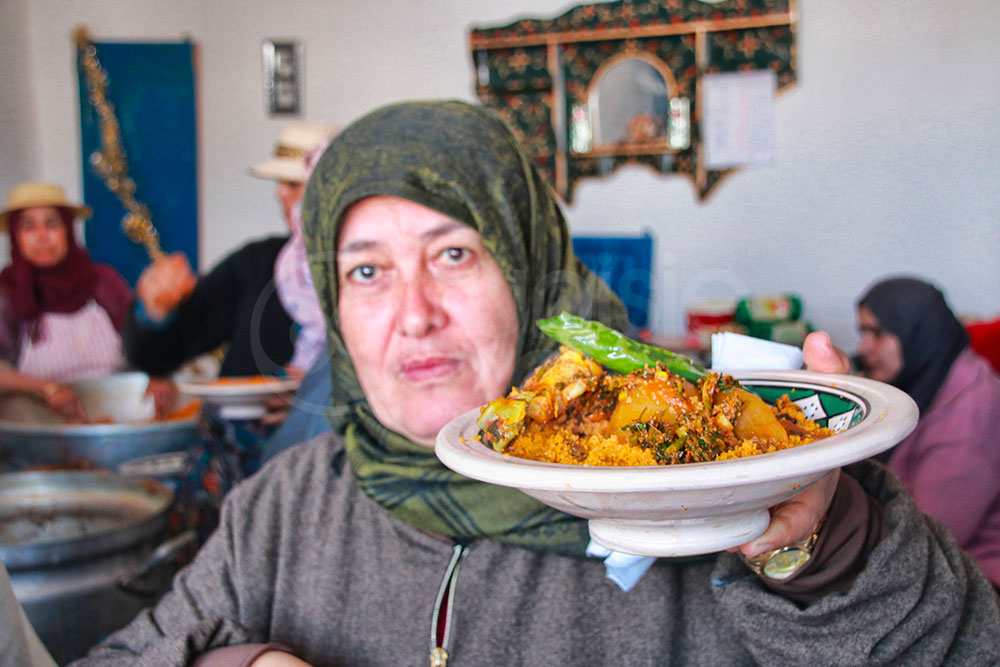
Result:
pixel 73 346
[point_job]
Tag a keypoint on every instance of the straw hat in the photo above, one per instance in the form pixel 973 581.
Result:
pixel 28 195
pixel 294 143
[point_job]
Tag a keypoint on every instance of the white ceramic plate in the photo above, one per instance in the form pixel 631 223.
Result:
pixel 694 508
pixel 236 399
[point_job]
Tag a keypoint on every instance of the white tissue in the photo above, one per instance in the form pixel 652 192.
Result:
pixel 621 568
pixel 736 352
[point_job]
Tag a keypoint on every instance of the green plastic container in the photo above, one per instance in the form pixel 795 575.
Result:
pixel 768 308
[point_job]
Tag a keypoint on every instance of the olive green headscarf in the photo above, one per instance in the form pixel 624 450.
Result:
pixel 461 160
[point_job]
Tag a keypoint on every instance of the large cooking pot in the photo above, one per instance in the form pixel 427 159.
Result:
pixel 31 435
pixel 74 543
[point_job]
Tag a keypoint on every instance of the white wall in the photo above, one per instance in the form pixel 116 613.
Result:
pixel 18 126
pixel 18 129
pixel 887 149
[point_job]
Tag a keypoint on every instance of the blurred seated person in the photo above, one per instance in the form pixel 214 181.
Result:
pixel 911 339
pixel 293 279
pixel 294 283
pixel 61 314
pixel 178 317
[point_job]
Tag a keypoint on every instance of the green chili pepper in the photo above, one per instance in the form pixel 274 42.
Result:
pixel 613 349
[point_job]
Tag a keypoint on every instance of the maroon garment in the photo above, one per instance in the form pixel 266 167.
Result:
pixel 30 291
pixel 113 294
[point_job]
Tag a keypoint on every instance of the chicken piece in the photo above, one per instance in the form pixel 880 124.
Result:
pixel 543 397
pixel 557 383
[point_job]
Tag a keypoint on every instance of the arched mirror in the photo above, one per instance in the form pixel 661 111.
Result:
pixel 629 103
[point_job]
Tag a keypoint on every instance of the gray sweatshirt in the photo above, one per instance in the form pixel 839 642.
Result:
pixel 304 558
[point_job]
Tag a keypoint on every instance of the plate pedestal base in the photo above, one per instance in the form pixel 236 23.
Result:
pixel 680 537
pixel 242 411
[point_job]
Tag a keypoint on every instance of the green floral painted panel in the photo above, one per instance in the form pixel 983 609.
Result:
pixel 626 14
pixel 836 410
pixel 512 69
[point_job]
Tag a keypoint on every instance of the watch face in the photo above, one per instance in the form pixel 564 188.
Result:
pixel 785 563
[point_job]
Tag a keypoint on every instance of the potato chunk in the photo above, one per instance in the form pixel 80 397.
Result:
pixel 756 420
pixel 658 398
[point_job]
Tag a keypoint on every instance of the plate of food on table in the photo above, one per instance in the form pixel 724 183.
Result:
pixel 665 457
pixel 243 397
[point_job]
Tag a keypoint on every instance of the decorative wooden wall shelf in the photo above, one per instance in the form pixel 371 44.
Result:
pixel 546 76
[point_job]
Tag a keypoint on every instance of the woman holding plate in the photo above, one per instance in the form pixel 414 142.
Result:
pixel 435 247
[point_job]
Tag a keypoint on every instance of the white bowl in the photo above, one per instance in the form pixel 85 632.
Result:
pixel 695 508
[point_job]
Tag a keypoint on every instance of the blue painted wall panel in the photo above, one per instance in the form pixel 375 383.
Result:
pixel 625 264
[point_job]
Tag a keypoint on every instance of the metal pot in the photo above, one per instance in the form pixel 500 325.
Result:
pixel 31 435
pixel 70 540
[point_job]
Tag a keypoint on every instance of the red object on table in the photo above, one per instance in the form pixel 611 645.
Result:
pixel 984 338
pixel 707 317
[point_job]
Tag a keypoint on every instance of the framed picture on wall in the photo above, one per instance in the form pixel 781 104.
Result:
pixel 282 65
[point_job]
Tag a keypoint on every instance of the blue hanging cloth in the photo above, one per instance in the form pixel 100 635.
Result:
pixel 152 89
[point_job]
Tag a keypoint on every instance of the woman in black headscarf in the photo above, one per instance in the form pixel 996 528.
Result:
pixel 435 246
pixel 910 338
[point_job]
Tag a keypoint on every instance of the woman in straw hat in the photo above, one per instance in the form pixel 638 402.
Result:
pixel 60 312
pixel 239 305
pixel 180 316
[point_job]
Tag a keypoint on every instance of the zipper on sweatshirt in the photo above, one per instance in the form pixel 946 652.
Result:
pixel 444 608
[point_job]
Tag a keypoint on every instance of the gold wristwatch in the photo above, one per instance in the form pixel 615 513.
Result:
pixel 780 564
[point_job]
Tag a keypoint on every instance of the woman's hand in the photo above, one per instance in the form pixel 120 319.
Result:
pixel 164 393
pixel 62 401
pixel 823 356
pixel 276 409
pixel 796 518
pixel 278 659
pixel 164 284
